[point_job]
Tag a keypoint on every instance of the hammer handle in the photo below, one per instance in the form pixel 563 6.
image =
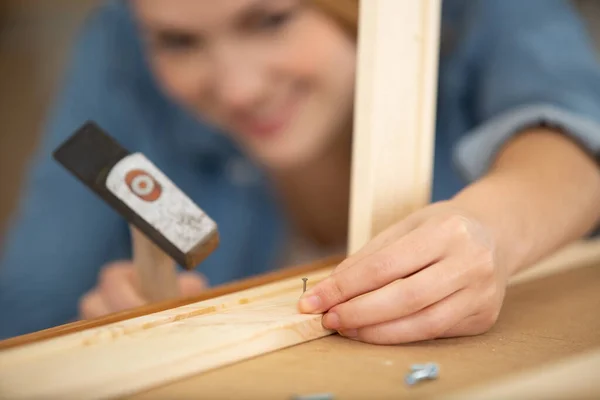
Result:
pixel 156 270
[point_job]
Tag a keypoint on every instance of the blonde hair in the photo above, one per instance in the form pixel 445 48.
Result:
pixel 345 12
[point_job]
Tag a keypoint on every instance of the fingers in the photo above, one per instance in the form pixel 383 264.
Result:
pixel 392 233
pixel 191 283
pixel 398 299
pixel 92 306
pixel 429 323
pixel 118 288
pixel 382 240
pixel 473 325
pixel 412 252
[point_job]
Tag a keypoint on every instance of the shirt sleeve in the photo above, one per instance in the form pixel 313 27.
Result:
pixel 62 233
pixel 532 64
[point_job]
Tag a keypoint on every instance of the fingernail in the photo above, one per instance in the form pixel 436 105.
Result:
pixel 350 333
pixel 310 304
pixel 331 321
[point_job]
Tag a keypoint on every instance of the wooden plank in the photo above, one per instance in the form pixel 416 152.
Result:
pixel 394 117
pixel 547 317
pixel 135 354
pixel 232 287
pixel 215 332
pixel 140 353
pixel 122 358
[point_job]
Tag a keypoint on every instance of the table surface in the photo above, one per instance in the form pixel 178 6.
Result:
pixel 550 313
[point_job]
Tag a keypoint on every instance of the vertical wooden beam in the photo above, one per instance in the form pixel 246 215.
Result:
pixel 396 92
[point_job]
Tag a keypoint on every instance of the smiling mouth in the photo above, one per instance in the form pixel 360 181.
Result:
pixel 271 125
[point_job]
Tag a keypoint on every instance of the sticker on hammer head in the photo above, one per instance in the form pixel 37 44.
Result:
pixel 143 185
pixel 153 198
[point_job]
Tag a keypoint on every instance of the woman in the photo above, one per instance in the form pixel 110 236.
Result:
pixel 247 106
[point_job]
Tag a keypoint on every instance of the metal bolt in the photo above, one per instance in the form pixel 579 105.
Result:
pixel 304 288
pixel 421 372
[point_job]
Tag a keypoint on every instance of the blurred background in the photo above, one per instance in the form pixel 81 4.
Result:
pixel 35 39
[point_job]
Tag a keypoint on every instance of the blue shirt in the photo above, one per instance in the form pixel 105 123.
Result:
pixel 504 66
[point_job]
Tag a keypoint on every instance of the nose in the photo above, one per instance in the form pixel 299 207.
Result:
pixel 240 81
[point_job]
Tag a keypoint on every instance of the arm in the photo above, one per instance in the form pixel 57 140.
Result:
pixel 539 85
pixel 443 270
pixel 62 234
pixel 542 192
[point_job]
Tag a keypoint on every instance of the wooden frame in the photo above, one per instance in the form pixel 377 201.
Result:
pixel 229 288
pixel 123 357
pixel 22 363
pixel 549 315
pixel 139 349
pixel 391 176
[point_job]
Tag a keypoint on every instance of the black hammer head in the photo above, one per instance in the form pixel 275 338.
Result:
pixel 141 193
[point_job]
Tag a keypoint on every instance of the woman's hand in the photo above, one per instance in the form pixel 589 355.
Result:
pixel 117 290
pixel 434 274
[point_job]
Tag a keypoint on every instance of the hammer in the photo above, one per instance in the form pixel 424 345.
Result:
pixel 166 226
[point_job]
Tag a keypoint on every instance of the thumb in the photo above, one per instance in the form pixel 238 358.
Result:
pixel 191 283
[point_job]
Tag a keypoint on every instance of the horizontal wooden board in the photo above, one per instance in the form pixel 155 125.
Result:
pixel 170 348
pixel 550 314
pixel 142 352
pixel 217 291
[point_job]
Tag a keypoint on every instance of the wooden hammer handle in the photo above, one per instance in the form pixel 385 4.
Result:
pixel 157 272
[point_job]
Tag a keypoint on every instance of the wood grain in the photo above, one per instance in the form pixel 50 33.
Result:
pixel 538 325
pixel 232 287
pixel 150 350
pixel 394 120
pixel 548 316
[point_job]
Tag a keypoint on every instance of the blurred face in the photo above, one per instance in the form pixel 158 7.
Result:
pixel 276 75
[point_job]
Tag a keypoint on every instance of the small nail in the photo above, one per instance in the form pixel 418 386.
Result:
pixel 310 304
pixel 331 321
